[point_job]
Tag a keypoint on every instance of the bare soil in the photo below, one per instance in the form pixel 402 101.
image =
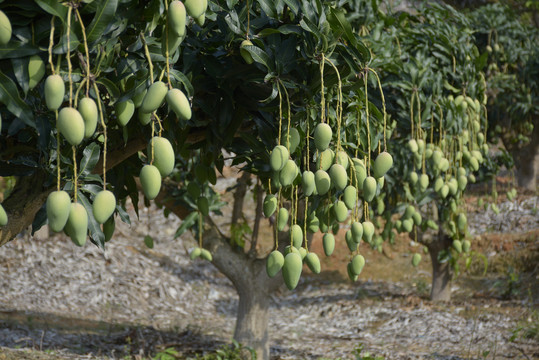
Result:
pixel 63 302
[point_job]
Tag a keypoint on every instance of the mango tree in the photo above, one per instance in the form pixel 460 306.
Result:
pixel 508 43
pixel 288 88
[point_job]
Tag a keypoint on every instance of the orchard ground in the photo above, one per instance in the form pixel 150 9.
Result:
pixel 63 302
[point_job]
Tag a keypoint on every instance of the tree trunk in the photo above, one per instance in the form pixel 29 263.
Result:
pixel 254 287
pixel 526 159
pixel 527 162
pixel 441 272
pixel 252 318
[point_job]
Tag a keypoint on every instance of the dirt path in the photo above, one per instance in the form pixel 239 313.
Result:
pixel 67 302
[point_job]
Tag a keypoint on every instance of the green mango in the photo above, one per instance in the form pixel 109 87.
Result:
pixel 296 235
pixel 294 140
pixel 444 191
pixel 154 97
pixel 292 270
pixel 77 224
pixel 423 182
pixel 195 253
pixel 322 181
pixel 88 110
pixel 466 246
pixel 328 243
pixel 313 262
pixel 108 228
pixel 325 159
pixel 163 155
pixel 453 186
pixel 54 91
pixel 416 259
pixel 358 262
pixel 368 231
pixel 350 197
pixel 139 97
pixel 457 245
pixel 438 184
pixel 353 277
pixel 206 255
pixel 103 206
pixel 309 185
pixel 444 164
pixel 412 145
pixel 195 8
pixel 150 179
pixel 246 55
pixel 416 217
pixel 352 245
pixel 282 218
pixel 420 146
pixel 413 177
pixel 278 157
pixel 338 176
pixel 322 136
pixel 3 216
pixel 437 156
pixel 369 188
pixel 462 182
pixel 274 263
pixel 409 211
pixel 5 29
pixel 177 17
pixel 340 210
pixel 71 125
pixel 58 206
pixel 313 224
pixel 36 70
pixel 462 221
pixel 383 162
pixel 360 173
pixel 341 158
pixel 124 111
pixel 432 225
pixel 408 225
pixel 270 205
pixel 178 102
pixel 144 118
pixel 288 173
pixel 357 231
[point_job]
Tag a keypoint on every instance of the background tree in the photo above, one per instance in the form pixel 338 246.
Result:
pixel 264 81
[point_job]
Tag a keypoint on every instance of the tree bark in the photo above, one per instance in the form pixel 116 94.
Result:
pixel 441 271
pixel 254 288
pixel 527 162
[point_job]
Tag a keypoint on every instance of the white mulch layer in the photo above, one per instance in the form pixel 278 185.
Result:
pixel 162 297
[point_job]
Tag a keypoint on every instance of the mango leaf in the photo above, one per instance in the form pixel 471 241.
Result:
pixel 54 8
pixel 105 13
pixel 9 96
pixel 94 227
pixel 259 56
pixel 90 156
pixel 148 241
pixel 111 87
pixel 17 49
pixel 187 223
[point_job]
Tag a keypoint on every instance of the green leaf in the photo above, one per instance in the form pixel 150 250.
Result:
pixel 148 241
pixel 187 223
pixel 111 87
pixel 96 234
pixel 9 96
pixel 90 157
pixel 259 56
pixel 53 7
pixel 17 49
pixel 105 13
